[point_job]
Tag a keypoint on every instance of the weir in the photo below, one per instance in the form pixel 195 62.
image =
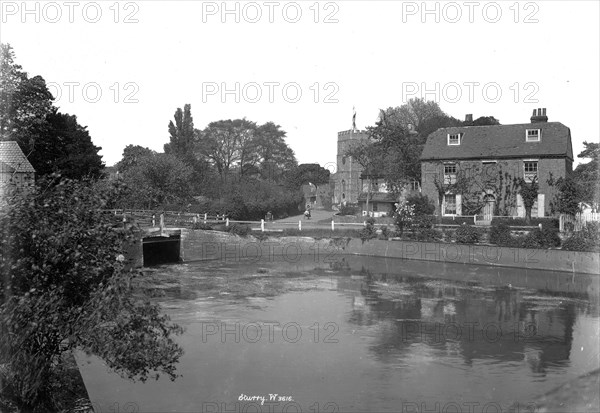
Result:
pixel 161 250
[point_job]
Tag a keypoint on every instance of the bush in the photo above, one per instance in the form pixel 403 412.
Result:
pixel 240 229
pixel 500 235
pixel 422 205
pixel 368 232
pixel 467 234
pixel 550 238
pixel 429 235
pixel 578 242
pixel 348 210
pixel 385 232
pixel 531 240
pixel 522 222
pixel 546 238
pixel 64 266
pixel 422 222
pixel 586 240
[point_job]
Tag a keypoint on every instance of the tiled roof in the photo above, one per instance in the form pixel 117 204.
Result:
pixel 499 141
pixel 12 155
pixel 6 168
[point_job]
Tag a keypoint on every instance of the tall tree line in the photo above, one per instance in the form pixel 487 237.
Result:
pixel 233 166
pixel 51 140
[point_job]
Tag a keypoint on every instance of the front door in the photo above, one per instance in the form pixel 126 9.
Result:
pixel 488 207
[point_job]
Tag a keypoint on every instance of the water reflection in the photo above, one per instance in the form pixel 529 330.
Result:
pixel 401 334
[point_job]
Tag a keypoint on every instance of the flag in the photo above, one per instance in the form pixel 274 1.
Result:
pixel 353 118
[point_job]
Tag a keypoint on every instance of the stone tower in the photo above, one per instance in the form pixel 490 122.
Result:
pixel 347 176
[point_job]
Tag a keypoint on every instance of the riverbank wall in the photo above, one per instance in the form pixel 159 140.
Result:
pixel 210 245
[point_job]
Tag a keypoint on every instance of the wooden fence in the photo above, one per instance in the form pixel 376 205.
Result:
pixel 176 219
pixel 569 223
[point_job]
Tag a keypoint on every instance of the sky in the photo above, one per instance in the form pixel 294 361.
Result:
pixel 124 67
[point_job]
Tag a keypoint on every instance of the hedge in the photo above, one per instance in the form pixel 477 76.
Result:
pixel 522 222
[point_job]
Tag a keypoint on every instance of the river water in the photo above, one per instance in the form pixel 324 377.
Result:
pixel 361 334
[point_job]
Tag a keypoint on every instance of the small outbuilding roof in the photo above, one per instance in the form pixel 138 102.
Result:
pixel 12 155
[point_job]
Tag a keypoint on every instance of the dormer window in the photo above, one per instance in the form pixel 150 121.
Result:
pixel 454 138
pixel 533 135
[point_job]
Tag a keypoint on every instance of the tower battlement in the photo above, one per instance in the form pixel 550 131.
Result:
pixel 351 132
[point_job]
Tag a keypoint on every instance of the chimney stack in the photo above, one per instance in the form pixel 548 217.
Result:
pixel 539 115
pixel 469 118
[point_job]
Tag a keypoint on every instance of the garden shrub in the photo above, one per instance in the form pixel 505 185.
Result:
pixel 368 232
pixel 586 240
pixel 385 232
pixel 348 210
pixel 421 204
pixel 522 222
pixel 423 222
pixel 500 235
pixel 550 237
pixel 428 235
pixel 531 240
pixel 578 242
pixel 467 234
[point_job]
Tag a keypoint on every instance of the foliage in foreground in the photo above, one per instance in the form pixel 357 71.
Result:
pixel 467 234
pixel 586 240
pixel 64 286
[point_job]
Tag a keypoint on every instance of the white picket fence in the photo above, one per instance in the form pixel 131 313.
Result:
pixel 577 222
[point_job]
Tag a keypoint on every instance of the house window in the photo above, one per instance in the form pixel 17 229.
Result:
pixel 533 135
pixel 449 173
pixel 530 170
pixel 454 138
pixel 450 204
pixel 414 185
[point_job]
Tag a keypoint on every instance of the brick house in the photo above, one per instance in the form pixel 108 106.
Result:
pixel 472 168
pixel 16 172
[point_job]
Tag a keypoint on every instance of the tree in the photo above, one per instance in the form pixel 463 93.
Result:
pixel 447 185
pixel 132 156
pixel 415 112
pixel 529 193
pixel 69 149
pixel 240 145
pixel 305 173
pixel 485 121
pixel 275 157
pixel 397 152
pixel 567 197
pixel 225 144
pixel 24 102
pixel 52 141
pixel 430 125
pixel 65 286
pixel 159 179
pixel 586 174
pixel 181 134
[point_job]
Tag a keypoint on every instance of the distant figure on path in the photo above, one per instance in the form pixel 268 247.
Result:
pixel 269 216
